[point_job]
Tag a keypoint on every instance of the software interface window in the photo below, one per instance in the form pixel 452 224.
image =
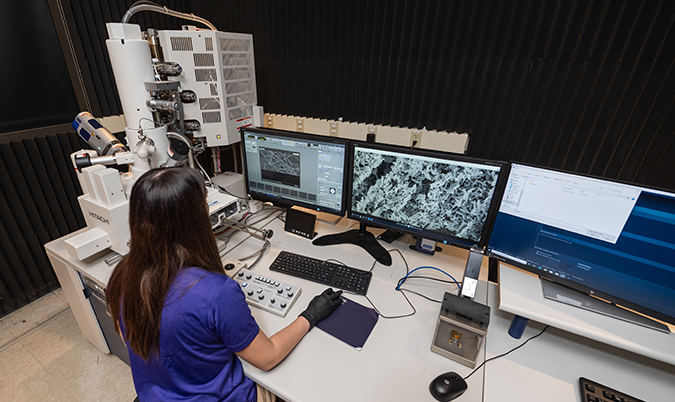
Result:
pixel 615 238
pixel 308 171
pixel 438 195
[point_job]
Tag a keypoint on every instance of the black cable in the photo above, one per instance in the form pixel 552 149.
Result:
pixel 371 302
pixel 221 188
pixel 504 354
pixel 407 268
pixel 403 280
pixel 421 295
pixel 396 316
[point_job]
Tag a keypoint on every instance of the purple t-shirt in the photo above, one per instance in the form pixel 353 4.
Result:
pixel 204 321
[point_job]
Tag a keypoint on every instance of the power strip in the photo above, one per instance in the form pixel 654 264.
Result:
pixel 266 293
pixel 232 266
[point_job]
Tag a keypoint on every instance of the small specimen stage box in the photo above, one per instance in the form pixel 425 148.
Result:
pixel 461 329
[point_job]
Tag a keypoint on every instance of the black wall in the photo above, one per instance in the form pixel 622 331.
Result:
pixel 586 86
pixel 36 88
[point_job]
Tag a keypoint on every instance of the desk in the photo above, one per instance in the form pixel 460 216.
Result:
pixel 396 363
pixel 521 294
pixel 551 364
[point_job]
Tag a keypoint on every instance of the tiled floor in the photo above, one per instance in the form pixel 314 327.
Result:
pixel 44 357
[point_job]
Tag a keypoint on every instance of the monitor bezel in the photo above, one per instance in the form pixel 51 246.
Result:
pixel 569 283
pixel 286 202
pixel 450 240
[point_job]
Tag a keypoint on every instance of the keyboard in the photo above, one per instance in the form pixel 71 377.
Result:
pixel 591 391
pixel 319 271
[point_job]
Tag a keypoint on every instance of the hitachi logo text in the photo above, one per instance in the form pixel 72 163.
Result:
pixel 99 217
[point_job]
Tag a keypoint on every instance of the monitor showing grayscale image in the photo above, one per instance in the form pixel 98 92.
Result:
pixel 436 195
pixel 290 168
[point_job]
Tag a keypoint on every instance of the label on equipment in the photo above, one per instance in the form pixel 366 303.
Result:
pixel 245 122
pixel 469 288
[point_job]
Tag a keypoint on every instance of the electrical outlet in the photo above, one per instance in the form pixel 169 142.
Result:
pixel 416 138
pixel 333 129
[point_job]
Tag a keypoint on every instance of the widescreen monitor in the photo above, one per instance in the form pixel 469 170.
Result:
pixel 290 168
pixel 430 194
pixel 436 195
pixel 612 240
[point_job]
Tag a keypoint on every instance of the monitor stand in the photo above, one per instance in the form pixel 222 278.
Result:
pixel 359 237
pixel 563 294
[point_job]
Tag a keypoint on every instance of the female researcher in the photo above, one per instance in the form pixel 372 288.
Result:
pixel 182 318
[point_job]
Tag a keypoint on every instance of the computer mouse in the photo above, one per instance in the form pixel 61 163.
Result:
pixel 447 386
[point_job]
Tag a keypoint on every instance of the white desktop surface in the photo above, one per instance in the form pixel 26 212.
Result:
pixel 396 363
pixel 521 294
pixel 549 366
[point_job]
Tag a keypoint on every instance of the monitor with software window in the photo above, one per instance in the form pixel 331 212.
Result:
pixel 290 168
pixel 611 240
pixel 431 194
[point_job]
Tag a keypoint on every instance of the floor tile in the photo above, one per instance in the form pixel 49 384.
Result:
pixel 28 317
pixel 59 292
pixel 24 379
pixel 5 335
pixel 77 365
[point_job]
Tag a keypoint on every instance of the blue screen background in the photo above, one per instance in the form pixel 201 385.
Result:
pixel 638 268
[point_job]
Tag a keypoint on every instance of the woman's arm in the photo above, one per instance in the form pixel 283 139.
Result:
pixel 265 353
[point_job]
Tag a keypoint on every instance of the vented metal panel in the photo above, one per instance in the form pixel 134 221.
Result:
pixel 209 103
pixel 205 74
pixel 211 117
pixel 180 44
pixel 38 203
pixel 204 60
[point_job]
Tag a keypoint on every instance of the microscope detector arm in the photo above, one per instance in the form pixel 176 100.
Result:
pixel 105 208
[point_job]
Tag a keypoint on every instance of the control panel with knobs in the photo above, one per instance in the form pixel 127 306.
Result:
pixel 267 293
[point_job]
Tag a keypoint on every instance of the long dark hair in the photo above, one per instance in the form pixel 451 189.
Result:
pixel 170 229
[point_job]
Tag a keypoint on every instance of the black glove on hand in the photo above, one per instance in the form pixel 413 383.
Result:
pixel 322 306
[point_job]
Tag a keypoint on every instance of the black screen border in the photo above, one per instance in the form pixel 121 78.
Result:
pixel 450 240
pixel 569 283
pixel 288 202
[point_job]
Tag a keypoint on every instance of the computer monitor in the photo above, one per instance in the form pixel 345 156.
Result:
pixel 611 240
pixel 430 194
pixel 290 168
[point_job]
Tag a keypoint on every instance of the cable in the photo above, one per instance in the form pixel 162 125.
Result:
pixel 396 316
pixel 221 188
pixel 421 295
pixel 431 278
pixel 150 6
pixel 263 218
pixel 504 354
pixel 206 175
pixel 417 269
pixel 407 268
pixel 264 248
pixel 230 227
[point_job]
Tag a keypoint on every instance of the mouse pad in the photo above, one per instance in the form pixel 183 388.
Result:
pixel 351 323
